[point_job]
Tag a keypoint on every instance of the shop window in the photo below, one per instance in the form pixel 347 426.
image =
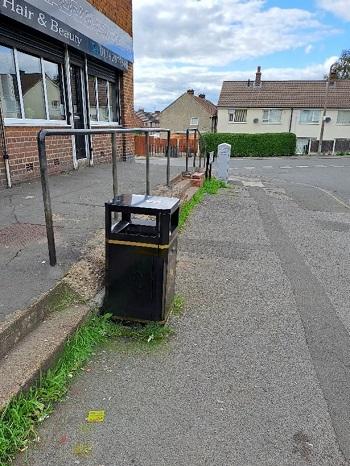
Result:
pixel 102 86
pixel 54 91
pixel 8 84
pixel 92 98
pixel 102 100
pixel 32 86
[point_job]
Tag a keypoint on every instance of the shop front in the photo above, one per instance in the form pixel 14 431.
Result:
pixel 63 64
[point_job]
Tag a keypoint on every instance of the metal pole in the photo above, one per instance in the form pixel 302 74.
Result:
pixel 187 148
pixel 325 110
pixel 46 198
pixel 195 148
pixel 147 165
pixel 114 165
pixel 168 161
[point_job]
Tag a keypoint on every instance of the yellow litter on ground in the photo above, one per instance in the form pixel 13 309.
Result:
pixel 96 416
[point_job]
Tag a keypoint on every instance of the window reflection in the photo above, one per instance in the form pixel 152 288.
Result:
pixel 92 98
pixel 53 81
pixel 8 84
pixel 102 99
pixel 32 86
pixel 113 102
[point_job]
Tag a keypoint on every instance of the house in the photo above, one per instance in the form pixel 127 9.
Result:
pixel 149 119
pixel 189 111
pixel 288 106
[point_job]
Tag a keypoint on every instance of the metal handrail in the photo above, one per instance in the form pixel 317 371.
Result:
pixel 41 139
pixel 196 131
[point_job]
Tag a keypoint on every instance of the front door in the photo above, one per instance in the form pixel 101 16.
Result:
pixel 78 109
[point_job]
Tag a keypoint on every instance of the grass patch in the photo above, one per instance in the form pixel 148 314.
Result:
pixel 209 187
pixel 19 420
pixel 178 305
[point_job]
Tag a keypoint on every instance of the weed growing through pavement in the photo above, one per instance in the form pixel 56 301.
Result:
pixel 18 421
pixel 178 305
pixel 211 186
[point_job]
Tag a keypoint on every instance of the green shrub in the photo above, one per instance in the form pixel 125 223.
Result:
pixel 252 145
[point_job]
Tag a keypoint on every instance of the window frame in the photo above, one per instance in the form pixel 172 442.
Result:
pixel 232 112
pixel 23 121
pixel 268 122
pixel 343 124
pixel 312 122
pixel 194 124
pixel 108 122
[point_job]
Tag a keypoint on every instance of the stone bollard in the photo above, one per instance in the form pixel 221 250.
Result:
pixel 224 154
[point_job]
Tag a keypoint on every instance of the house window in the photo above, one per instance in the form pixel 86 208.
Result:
pixel 272 116
pixel 343 117
pixel 102 100
pixel 194 121
pixel 238 115
pixel 310 116
pixel 30 87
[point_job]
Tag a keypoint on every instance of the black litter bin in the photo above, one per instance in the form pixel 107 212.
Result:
pixel 141 249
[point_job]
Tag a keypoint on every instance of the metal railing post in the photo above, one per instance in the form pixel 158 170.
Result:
pixel 168 160
pixel 147 165
pixel 42 134
pixel 114 164
pixel 46 198
pixel 187 147
pixel 194 148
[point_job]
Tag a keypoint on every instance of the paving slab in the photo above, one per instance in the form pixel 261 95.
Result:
pixel 237 383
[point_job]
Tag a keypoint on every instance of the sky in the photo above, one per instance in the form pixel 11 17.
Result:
pixel 197 44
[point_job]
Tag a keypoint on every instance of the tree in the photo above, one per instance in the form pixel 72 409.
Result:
pixel 342 65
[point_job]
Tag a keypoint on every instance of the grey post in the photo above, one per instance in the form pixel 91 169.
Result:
pixel 168 160
pixel 187 147
pixel 46 198
pixel 147 165
pixel 224 153
pixel 114 165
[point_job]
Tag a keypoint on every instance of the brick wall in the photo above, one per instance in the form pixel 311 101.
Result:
pixel 23 152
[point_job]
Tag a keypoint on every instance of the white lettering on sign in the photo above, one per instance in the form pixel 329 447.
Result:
pixel 224 153
pixel 19 9
pixel 62 32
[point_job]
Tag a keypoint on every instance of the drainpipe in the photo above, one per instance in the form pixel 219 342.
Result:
pixel 4 149
pixel 291 120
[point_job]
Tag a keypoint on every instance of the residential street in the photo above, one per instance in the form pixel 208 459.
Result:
pixel 258 371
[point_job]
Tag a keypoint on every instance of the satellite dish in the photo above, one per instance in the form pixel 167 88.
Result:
pixel 327 119
pixel 256 120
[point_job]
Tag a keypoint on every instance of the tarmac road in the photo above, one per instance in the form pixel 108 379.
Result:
pixel 258 373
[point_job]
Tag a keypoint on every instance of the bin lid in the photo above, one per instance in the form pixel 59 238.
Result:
pixel 143 202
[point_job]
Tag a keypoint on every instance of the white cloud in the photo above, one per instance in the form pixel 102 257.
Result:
pixel 180 45
pixel 339 8
pixel 155 93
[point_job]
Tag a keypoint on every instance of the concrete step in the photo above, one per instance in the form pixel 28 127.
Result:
pixel 38 351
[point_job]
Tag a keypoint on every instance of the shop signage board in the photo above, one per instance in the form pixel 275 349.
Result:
pixel 76 23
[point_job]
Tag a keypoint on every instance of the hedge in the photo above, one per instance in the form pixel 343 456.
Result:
pixel 251 145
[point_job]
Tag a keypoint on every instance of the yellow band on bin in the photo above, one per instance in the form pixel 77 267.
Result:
pixel 141 245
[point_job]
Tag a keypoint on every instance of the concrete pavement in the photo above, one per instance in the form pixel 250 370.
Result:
pixel 78 206
pixel 258 372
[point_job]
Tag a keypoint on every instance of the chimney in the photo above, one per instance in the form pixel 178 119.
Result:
pixel 332 76
pixel 248 83
pixel 202 96
pixel 258 77
pixel 190 91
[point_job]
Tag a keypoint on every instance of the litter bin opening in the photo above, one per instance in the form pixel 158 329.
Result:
pixel 137 225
